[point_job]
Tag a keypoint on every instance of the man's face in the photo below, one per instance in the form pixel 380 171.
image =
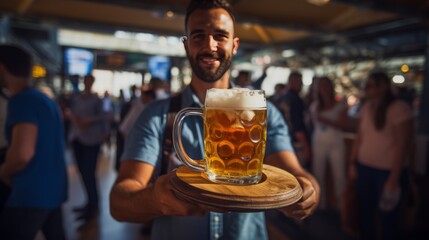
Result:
pixel 210 43
pixel 296 83
pixel 88 82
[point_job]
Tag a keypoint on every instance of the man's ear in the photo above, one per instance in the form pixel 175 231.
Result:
pixel 236 42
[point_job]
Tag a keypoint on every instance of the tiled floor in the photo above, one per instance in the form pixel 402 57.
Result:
pixel 322 225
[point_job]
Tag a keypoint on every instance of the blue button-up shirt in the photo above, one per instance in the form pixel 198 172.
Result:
pixel 144 143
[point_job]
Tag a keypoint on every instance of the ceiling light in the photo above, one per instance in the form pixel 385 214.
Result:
pixel 405 68
pixel 319 2
pixel 398 79
pixel 288 53
pixel 169 14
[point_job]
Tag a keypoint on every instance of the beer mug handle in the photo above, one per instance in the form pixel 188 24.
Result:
pixel 177 139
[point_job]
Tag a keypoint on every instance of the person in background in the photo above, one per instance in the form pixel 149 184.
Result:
pixel 88 128
pixel 293 108
pixel 244 80
pixel 34 167
pixel 279 91
pixel 378 158
pixel 123 111
pixel 329 119
pixel 159 87
pixel 146 97
pixel 210 44
pixel 108 111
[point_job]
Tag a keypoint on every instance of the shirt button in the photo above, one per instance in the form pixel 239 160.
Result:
pixel 216 218
pixel 216 236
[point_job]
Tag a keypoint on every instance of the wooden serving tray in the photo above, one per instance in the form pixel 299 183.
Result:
pixel 276 189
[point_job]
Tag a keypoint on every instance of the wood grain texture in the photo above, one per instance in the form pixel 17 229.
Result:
pixel 276 189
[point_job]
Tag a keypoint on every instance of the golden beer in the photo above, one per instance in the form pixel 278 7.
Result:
pixel 234 143
pixel 235 135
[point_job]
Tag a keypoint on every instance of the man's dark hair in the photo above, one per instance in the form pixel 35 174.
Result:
pixel 208 4
pixel 151 93
pixel 89 76
pixel 295 74
pixel 380 116
pixel 16 60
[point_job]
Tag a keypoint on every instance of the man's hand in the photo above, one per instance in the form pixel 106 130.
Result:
pixel 169 204
pixel 306 205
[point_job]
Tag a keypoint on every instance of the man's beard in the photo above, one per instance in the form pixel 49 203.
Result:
pixel 205 75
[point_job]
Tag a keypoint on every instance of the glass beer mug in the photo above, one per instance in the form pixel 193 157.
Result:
pixel 235 130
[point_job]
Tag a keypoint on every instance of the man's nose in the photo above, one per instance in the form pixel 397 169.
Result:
pixel 210 43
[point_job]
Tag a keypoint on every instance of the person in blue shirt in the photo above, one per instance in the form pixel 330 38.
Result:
pixel 210 44
pixel 34 167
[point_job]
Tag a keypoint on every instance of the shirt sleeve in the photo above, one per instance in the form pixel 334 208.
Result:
pixel 144 140
pixel 20 111
pixel 278 138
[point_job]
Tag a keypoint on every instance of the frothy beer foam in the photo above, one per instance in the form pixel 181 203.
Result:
pixel 235 98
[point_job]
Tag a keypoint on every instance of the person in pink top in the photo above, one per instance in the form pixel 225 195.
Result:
pixel 379 158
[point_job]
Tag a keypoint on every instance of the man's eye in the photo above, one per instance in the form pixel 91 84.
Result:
pixel 198 37
pixel 221 37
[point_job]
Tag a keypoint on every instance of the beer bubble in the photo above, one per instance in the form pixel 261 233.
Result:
pixel 263 119
pixel 226 118
pixel 231 115
pixel 255 133
pixel 216 132
pixel 216 165
pixel 247 117
pixel 253 166
pixel 235 167
pixel 246 150
pixel 225 149
pixel 210 148
pixel 260 149
pixel 210 116
pixel 237 132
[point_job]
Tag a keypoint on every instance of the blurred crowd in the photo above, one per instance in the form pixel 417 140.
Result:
pixel 367 146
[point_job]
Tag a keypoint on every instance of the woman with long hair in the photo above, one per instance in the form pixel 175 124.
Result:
pixel 378 158
pixel 329 117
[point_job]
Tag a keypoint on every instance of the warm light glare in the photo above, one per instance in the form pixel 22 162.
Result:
pixel 319 2
pixel 169 14
pixel 398 79
pixel 39 71
pixel 288 53
pixel 405 68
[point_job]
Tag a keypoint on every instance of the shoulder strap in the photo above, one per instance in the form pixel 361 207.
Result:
pixel 167 147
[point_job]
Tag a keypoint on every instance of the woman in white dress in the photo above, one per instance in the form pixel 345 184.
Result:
pixel 329 118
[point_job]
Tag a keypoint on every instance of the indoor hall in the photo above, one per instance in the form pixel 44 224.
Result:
pixel 343 40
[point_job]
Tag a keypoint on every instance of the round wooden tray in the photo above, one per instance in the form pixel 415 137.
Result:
pixel 276 189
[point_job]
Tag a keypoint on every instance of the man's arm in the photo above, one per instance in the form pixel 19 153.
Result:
pixel 307 204
pixel 133 199
pixel 20 151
